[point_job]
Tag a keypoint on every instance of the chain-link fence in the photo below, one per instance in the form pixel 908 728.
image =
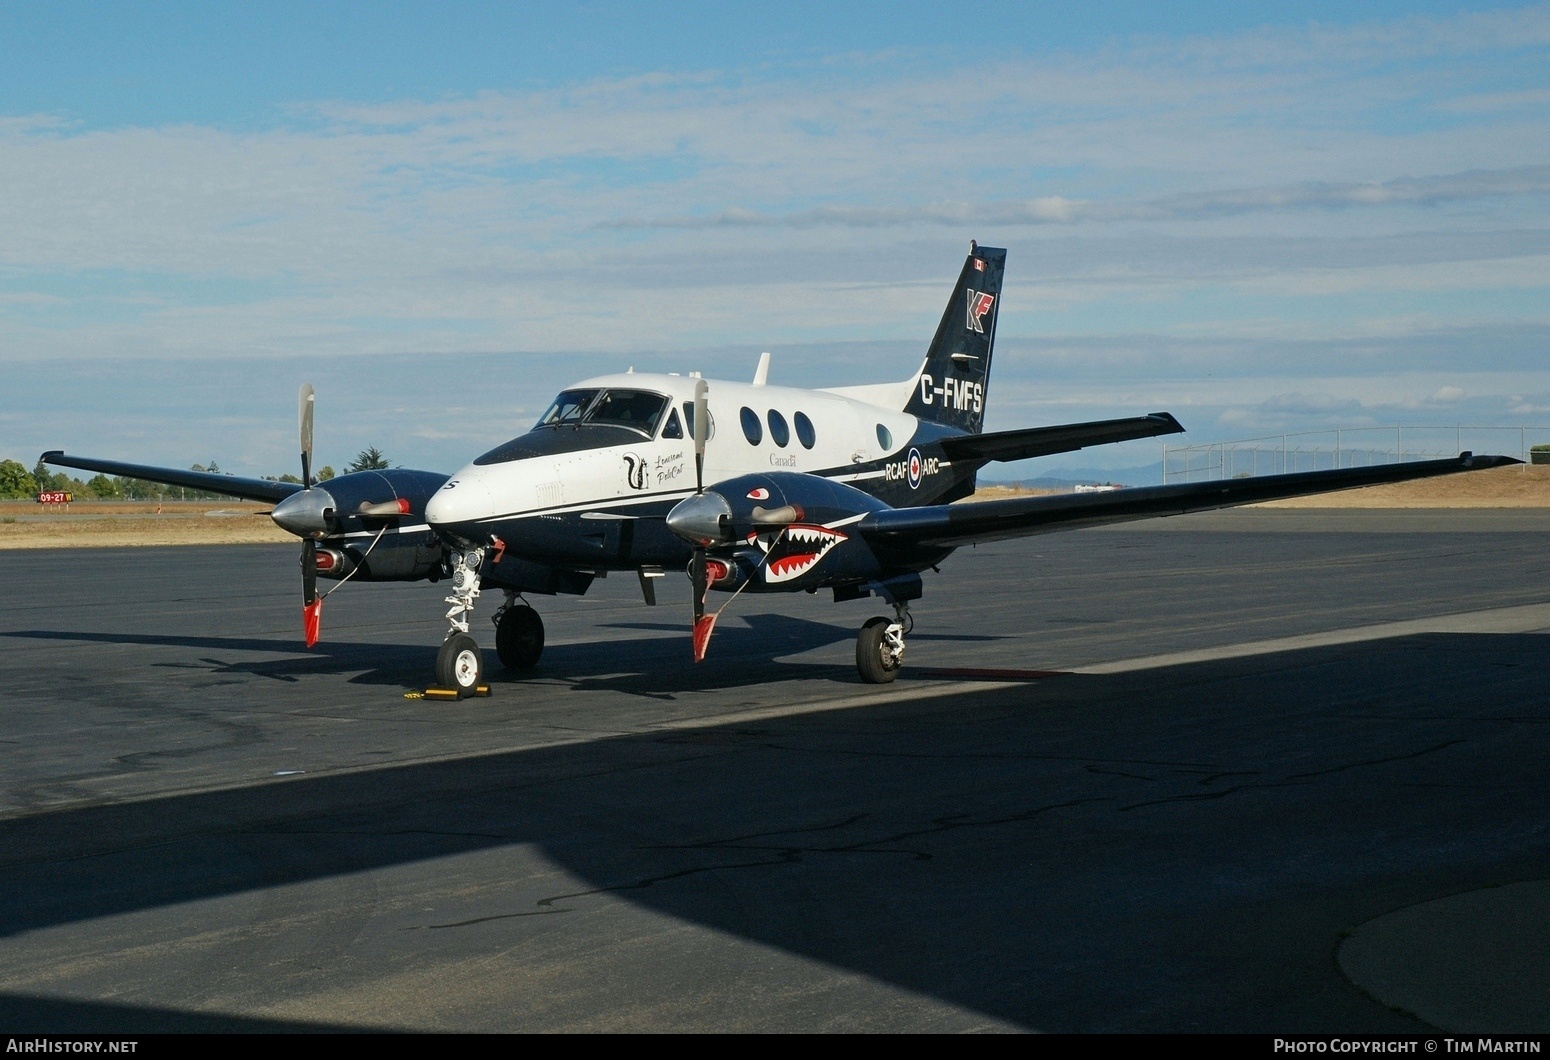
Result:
pixel 1277 454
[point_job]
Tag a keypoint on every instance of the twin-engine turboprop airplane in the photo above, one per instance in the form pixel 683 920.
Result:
pixel 751 487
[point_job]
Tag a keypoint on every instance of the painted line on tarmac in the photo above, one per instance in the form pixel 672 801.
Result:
pixel 815 706
pixel 1528 618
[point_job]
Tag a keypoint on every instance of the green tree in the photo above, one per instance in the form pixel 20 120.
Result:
pixel 15 483
pixel 325 473
pixel 105 488
pixel 47 480
pixel 140 489
pixel 369 460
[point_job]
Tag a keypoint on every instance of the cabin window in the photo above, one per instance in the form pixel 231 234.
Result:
pixel 884 438
pixel 780 434
pixel 674 429
pixel 753 430
pixel 805 433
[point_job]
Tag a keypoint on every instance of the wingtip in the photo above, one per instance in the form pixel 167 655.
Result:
pixel 1470 460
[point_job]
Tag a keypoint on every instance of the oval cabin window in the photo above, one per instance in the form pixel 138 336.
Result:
pixel 780 434
pixel 752 429
pixel 884 438
pixel 805 433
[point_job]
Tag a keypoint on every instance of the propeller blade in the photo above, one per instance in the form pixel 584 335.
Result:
pixel 304 402
pixel 702 631
pixel 703 623
pixel 701 582
pixel 309 570
pixel 701 432
pixel 312 606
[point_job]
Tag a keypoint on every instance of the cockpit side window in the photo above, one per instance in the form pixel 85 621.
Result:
pixel 710 421
pixel 567 408
pixel 639 409
pixel 674 429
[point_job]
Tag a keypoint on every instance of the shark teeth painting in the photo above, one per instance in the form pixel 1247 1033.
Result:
pixel 794 552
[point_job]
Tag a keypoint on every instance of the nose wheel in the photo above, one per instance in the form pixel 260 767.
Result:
pixel 880 647
pixel 459 664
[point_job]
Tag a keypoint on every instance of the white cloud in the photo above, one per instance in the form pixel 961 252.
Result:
pixel 1198 186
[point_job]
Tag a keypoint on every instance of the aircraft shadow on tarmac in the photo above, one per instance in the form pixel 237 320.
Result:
pixel 22 1015
pixel 1162 850
pixel 752 649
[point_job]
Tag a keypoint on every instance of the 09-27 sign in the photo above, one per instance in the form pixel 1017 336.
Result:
pixel 55 497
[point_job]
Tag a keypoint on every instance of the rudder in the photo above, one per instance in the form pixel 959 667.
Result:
pixel 952 384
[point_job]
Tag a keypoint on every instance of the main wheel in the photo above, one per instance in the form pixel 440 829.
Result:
pixel 459 664
pixel 878 665
pixel 519 638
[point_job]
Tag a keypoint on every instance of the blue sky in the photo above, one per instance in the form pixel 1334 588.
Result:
pixel 1263 217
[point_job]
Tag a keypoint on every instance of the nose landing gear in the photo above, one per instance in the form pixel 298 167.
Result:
pixel 880 647
pixel 459 663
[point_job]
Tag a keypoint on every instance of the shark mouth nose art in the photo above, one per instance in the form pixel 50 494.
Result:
pixel 796 551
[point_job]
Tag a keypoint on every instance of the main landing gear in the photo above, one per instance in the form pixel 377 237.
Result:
pixel 519 634
pixel 880 647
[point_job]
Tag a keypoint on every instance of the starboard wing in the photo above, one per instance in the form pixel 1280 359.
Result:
pixel 962 524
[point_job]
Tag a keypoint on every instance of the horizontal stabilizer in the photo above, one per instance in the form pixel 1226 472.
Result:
pixel 1065 438
pixel 962 524
pixel 253 489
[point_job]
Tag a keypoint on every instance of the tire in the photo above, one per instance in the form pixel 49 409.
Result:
pixel 459 664
pixel 519 638
pixel 874 668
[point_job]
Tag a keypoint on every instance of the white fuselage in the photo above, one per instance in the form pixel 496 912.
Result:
pixel 846 433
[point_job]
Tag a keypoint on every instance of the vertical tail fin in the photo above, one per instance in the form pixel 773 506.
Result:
pixel 952 384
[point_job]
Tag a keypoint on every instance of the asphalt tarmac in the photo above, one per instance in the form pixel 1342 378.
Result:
pixel 1265 735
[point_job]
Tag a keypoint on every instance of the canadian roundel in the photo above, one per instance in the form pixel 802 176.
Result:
pixel 760 494
pixel 914 469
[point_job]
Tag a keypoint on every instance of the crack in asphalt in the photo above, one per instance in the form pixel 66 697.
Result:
pixel 783 854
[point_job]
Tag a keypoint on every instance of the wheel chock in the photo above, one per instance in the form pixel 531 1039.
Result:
pixel 452 693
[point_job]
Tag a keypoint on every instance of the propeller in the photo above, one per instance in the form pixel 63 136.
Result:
pixel 703 623
pixel 312 607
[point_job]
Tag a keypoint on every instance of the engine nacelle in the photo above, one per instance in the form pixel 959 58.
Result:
pixel 398 556
pixel 782 531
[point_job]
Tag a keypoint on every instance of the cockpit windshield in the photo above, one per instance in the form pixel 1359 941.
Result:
pixel 567 408
pixel 639 409
pixel 617 417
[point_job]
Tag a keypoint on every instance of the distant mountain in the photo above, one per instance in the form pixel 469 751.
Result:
pixel 1069 477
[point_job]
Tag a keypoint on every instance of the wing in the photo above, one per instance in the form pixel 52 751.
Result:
pixel 1043 441
pixel 962 524
pixel 253 489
